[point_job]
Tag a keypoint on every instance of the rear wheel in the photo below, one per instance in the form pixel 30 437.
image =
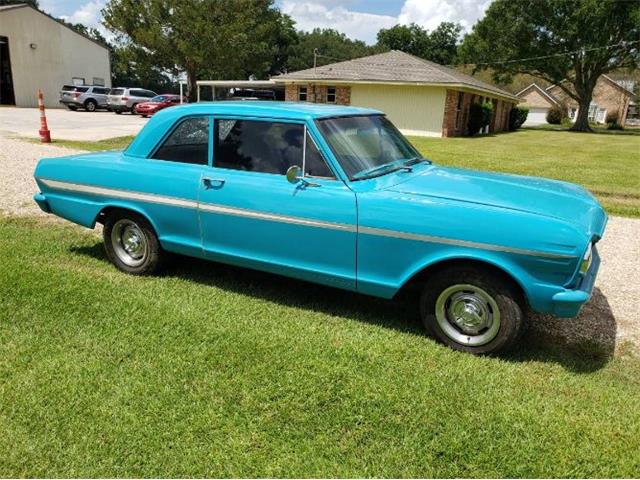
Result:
pixel 118 112
pixel 131 243
pixel 90 105
pixel 472 310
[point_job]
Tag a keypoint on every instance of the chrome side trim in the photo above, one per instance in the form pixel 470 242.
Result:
pixel 241 212
pixel 126 194
pixel 459 243
pixel 272 217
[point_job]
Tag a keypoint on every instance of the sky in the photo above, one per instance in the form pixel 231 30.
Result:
pixel 358 19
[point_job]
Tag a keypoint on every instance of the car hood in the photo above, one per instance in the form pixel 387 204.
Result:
pixel 550 198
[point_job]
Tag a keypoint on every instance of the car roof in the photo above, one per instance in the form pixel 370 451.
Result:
pixel 164 119
pixel 292 110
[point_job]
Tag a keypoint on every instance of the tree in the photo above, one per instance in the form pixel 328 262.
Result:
pixel 331 45
pixel 566 42
pixel 213 38
pixel 439 46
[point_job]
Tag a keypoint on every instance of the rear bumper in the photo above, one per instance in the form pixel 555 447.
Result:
pixel 569 302
pixel 73 103
pixel 41 200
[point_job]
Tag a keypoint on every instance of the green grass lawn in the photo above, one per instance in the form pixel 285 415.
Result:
pixel 209 370
pixel 607 163
pixel 92 146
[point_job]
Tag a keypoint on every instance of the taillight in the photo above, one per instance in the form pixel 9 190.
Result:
pixel 77 94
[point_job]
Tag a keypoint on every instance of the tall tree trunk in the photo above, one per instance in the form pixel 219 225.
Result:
pixel 191 83
pixel 582 118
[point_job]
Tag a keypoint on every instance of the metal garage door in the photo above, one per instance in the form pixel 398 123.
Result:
pixel 536 116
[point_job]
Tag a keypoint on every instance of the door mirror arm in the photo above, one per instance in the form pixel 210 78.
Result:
pixel 294 176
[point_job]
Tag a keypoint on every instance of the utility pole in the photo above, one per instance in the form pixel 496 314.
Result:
pixel 315 60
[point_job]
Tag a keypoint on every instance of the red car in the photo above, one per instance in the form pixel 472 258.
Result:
pixel 158 102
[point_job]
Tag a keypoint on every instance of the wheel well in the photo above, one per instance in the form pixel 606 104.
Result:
pixel 108 211
pixel 90 100
pixel 413 285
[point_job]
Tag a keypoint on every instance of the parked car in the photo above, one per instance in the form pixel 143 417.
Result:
pixel 89 97
pixel 337 196
pixel 125 99
pixel 157 103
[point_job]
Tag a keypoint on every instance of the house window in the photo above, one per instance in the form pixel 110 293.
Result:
pixel 601 115
pixel 98 81
pixel 593 109
pixel 77 81
pixel 331 94
pixel 302 94
pixel 573 111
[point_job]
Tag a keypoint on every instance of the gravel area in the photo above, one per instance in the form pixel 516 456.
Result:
pixel 610 321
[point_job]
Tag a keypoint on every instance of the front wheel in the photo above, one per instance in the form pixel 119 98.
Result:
pixel 472 309
pixel 131 243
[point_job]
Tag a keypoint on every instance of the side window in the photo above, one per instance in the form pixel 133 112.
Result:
pixel 188 143
pixel 149 94
pixel 255 146
pixel 331 94
pixel 315 165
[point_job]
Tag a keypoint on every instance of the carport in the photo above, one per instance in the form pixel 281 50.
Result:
pixel 220 88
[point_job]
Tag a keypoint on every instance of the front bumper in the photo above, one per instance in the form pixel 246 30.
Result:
pixel 569 302
pixel 42 202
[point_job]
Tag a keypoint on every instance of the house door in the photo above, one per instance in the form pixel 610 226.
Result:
pixel 6 81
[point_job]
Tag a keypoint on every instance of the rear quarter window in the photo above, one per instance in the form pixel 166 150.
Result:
pixel 117 91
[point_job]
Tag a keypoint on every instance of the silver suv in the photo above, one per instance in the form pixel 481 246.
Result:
pixel 125 99
pixel 89 97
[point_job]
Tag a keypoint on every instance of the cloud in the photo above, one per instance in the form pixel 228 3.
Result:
pixel 316 14
pixel 430 13
pixel 310 14
pixel 88 14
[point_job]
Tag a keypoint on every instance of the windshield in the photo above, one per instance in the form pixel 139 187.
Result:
pixel 368 146
pixel 159 98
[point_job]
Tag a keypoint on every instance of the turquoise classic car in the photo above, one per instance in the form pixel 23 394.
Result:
pixel 337 196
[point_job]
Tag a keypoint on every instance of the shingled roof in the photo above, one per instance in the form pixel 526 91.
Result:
pixel 392 67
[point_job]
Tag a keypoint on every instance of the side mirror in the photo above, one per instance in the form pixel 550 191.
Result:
pixel 294 174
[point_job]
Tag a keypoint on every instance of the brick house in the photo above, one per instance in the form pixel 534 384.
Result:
pixel 420 97
pixel 609 99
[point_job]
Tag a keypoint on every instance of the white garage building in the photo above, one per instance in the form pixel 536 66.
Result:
pixel 39 52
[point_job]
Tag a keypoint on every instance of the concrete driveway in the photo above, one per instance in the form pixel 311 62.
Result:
pixel 67 125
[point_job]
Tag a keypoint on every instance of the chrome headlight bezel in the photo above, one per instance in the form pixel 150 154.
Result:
pixel 585 264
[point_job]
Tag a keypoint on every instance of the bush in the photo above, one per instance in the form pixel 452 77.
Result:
pixel 614 126
pixel 517 117
pixel 479 116
pixel 557 114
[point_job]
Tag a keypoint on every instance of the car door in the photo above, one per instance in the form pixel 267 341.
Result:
pixel 252 216
pixel 172 173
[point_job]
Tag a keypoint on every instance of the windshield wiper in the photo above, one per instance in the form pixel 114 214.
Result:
pixel 379 171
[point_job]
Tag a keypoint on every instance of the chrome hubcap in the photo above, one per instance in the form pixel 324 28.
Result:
pixel 468 315
pixel 129 242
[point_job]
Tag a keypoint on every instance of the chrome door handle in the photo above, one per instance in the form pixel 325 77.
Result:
pixel 212 182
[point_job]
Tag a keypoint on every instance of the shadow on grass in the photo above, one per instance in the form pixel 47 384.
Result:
pixel 550 340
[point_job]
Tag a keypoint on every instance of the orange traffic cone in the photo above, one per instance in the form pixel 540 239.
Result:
pixel 45 134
